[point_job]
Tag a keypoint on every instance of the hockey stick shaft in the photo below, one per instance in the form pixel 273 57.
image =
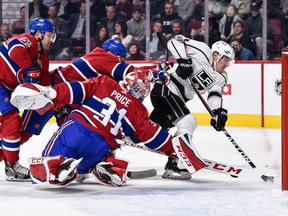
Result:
pixel 245 156
pixel 238 148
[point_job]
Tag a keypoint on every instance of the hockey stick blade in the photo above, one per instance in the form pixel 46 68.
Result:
pixel 142 174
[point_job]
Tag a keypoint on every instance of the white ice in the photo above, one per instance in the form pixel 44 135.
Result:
pixel 207 193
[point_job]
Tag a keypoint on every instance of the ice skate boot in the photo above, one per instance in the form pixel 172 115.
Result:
pixel 17 172
pixel 173 172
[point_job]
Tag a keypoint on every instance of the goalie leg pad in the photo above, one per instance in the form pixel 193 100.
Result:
pixel 187 153
pixel 53 171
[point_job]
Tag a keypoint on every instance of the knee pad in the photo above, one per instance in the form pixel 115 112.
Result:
pixel 187 124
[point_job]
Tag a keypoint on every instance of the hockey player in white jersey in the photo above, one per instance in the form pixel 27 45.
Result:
pixel 206 68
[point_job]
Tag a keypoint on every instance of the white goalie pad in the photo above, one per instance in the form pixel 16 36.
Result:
pixel 31 96
pixel 53 171
pixel 187 153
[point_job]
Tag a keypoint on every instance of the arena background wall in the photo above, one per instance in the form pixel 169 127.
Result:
pixel 251 96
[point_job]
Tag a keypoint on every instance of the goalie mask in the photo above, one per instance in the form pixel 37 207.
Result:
pixel 136 84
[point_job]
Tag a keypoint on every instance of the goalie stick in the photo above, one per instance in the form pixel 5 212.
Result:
pixel 244 155
pixel 142 174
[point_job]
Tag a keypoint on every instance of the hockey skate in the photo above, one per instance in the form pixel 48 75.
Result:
pixel 17 172
pixel 173 172
pixel 107 176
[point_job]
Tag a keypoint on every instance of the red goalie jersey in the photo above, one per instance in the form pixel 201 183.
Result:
pixel 106 109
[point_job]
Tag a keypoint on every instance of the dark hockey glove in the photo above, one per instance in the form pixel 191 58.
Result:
pixel 218 122
pixel 32 74
pixel 61 115
pixel 184 69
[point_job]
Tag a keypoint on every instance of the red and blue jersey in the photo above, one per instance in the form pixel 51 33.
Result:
pixel 108 110
pixel 97 62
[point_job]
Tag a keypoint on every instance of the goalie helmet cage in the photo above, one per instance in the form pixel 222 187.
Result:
pixel 284 119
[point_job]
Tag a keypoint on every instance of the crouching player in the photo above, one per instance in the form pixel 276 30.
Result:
pixel 91 130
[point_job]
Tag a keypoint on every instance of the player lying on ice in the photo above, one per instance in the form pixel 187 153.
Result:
pixel 85 140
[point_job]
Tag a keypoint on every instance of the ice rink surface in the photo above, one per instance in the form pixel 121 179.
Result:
pixel 207 193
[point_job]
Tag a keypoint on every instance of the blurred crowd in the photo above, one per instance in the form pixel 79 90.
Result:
pixel 238 22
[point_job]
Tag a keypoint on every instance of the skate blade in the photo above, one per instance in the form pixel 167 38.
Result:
pixel 169 174
pixel 13 179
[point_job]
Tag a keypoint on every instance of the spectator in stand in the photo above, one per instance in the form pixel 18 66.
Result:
pixel 241 53
pixel 98 10
pixel 134 52
pixel 76 29
pixel 217 8
pixel 185 9
pixel 242 36
pixel 121 33
pixel 137 25
pixel 156 49
pixel 100 37
pixel 214 33
pixel 177 28
pixel 254 28
pixel 140 4
pixel 110 19
pixel 59 23
pixel 275 11
pixel 65 8
pixel 5 33
pixel 37 9
pixel 124 9
pixel 226 22
pixel 243 7
pixel 18 26
pixel 156 9
pixel 167 19
pixel 284 9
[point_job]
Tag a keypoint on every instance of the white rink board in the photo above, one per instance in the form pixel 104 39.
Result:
pixel 272 101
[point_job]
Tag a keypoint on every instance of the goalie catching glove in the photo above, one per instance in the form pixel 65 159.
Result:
pixel 31 96
pixel 184 69
pixel 219 119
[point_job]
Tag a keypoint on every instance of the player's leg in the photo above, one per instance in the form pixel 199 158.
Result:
pixel 1 151
pixel 169 110
pixel 10 126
